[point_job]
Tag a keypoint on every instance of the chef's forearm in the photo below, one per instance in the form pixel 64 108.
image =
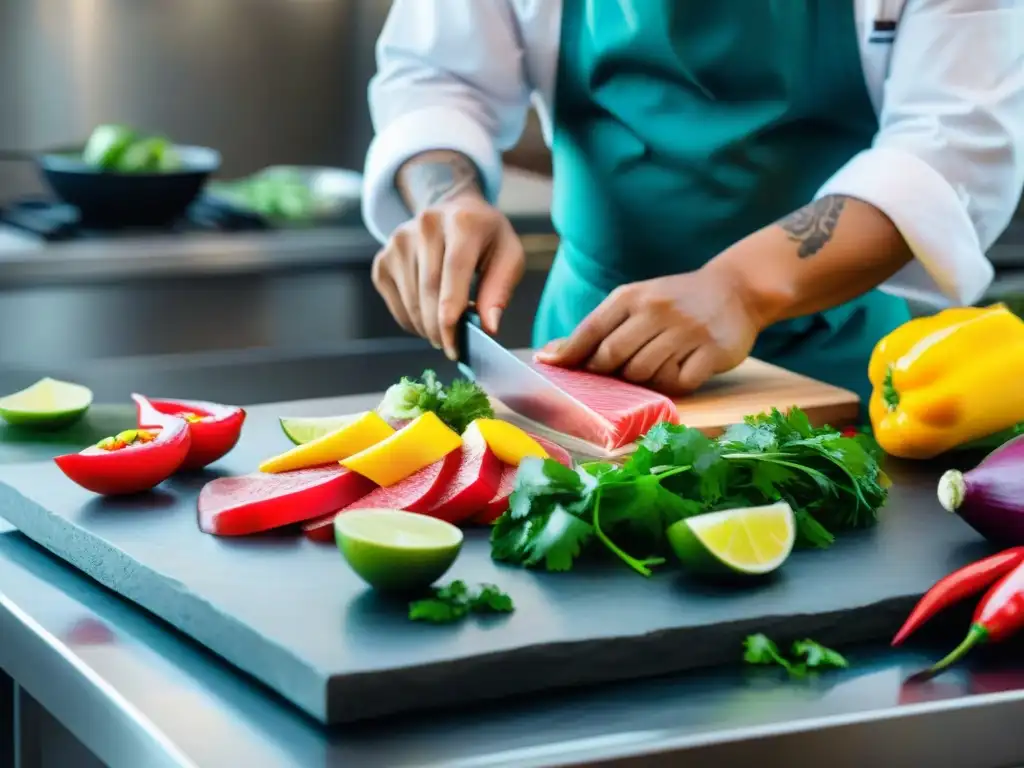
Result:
pixel 434 177
pixel 818 257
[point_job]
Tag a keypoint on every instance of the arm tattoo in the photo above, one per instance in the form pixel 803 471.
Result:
pixel 812 226
pixel 433 180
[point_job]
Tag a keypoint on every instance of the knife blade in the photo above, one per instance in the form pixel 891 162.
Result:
pixel 512 380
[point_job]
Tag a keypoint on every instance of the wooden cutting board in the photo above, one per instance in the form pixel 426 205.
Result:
pixel 755 387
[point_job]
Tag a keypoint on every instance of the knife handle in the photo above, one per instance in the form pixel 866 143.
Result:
pixel 469 317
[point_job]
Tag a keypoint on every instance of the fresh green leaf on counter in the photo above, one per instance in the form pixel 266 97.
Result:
pixel 807 655
pixel 454 601
pixel 759 650
pixel 457 405
pixel 490 599
pixel 831 481
pixel 817 656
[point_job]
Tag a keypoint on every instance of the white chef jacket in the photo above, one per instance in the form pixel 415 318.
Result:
pixel 946 166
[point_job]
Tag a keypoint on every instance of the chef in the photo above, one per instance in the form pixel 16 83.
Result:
pixel 731 177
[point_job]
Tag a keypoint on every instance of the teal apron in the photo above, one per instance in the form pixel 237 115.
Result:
pixel 682 126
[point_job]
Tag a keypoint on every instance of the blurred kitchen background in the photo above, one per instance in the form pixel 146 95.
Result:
pixel 210 308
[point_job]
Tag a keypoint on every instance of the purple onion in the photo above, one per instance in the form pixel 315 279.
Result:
pixel 990 498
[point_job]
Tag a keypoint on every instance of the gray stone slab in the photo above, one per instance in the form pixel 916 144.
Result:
pixel 292 615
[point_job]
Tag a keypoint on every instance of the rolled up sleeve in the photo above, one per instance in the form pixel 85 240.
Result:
pixel 449 76
pixel 947 165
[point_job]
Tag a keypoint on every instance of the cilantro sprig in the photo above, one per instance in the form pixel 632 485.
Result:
pixel 456 405
pixel 455 601
pixel 830 480
pixel 806 656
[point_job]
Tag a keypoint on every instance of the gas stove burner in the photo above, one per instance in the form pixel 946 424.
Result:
pixel 54 221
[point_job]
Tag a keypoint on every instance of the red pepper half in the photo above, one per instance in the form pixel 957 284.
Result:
pixel 967 581
pixel 133 461
pixel 215 428
pixel 999 615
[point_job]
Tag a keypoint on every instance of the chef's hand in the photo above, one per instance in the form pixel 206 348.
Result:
pixel 426 270
pixel 671 333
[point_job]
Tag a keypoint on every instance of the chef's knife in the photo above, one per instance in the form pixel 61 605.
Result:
pixel 512 380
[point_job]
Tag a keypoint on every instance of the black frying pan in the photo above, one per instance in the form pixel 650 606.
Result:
pixel 106 199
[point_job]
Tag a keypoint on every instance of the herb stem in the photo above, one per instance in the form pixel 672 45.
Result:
pixel 674 471
pixel 637 565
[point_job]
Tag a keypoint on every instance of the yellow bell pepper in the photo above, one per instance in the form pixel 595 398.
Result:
pixel 418 444
pixel 358 435
pixel 945 380
pixel 508 442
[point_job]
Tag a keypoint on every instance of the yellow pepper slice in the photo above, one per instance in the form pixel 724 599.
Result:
pixel 418 444
pixel 945 380
pixel 352 438
pixel 508 442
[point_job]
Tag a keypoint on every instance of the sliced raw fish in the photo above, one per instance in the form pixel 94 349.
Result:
pixel 236 506
pixel 474 483
pixel 414 494
pixel 498 504
pixel 614 413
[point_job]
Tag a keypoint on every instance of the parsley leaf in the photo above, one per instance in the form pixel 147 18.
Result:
pixel 831 481
pixel 817 656
pixel 809 656
pixel 463 402
pixel 457 405
pixel 455 601
pixel 760 650
pixel 490 599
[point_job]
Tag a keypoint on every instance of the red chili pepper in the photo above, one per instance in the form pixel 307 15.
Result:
pixel 215 428
pixel 958 585
pixel 999 615
pixel 132 462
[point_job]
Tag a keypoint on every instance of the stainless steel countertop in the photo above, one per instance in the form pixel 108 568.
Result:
pixel 137 693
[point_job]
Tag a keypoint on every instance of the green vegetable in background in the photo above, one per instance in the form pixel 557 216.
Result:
pixel 455 601
pixel 280 194
pixel 121 149
pixel 556 513
pixel 106 145
pixel 151 155
pixel 807 655
pixel 457 405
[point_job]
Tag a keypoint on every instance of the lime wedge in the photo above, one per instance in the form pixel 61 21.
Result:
pixel 749 540
pixel 396 551
pixel 305 430
pixel 47 404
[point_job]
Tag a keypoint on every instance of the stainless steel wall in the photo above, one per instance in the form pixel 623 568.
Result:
pixel 264 81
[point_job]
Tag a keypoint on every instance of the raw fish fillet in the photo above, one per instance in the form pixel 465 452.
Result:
pixel 614 412
pixel 474 483
pixel 237 506
pixel 417 493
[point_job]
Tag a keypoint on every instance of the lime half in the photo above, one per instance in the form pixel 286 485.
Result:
pixel 396 551
pixel 306 430
pixel 749 540
pixel 48 404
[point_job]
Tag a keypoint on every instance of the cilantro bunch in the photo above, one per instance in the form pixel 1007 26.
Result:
pixel 831 481
pixel 456 405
